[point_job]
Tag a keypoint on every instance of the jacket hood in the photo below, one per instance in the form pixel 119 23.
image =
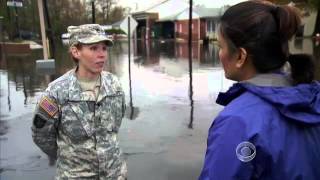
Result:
pixel 300 103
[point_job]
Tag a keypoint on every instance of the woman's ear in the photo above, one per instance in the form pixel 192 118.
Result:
pixel 75 52
pixel 242 58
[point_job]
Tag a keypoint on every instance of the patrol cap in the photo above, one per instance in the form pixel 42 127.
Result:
pixel 87 34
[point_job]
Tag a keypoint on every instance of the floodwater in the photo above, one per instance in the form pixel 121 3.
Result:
pixel 169 107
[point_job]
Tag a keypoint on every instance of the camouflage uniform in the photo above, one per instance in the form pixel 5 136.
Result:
pixel 79 131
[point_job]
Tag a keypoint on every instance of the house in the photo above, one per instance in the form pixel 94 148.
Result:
pixel 169 20
pixel 309 22
pixel 204 22
pixel 145 23
pixel 148 26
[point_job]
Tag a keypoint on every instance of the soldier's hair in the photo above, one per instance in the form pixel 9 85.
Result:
pixel 263 30
pixel 74 59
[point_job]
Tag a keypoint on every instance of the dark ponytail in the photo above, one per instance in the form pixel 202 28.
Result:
pixel 288 20
pixel 302 68
pixel 264 29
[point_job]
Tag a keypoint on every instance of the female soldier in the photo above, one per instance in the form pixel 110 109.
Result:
pixel 270 127
pixel 78 116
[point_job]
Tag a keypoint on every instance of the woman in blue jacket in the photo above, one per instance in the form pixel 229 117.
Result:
pixel 270 126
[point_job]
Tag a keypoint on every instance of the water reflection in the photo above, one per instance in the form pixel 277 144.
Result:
pixel 133 113
pixel 172 59
pixel 206 55
pixel 21 71
pixel 149 53
pixel 190 126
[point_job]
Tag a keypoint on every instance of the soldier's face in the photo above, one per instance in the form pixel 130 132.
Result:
pixel 91 57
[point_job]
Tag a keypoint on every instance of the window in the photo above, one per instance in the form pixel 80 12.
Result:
pixel 209 26
pixel 213 25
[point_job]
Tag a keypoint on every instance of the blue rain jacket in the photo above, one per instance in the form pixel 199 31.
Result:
pixel 283 125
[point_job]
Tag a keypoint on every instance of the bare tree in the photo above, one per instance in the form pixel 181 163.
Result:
pixel 106 7
pixel 117 14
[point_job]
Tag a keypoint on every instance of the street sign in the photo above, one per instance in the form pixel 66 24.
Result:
pixel 16 3
pixel 124 24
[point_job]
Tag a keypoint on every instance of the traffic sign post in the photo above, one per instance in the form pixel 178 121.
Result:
pixel 128 25
pixel 44 63
pixel 129 21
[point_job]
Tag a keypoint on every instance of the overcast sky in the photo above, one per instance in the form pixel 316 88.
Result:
pixel 142 4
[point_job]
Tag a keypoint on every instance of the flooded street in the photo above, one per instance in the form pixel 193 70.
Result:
pixel 169 110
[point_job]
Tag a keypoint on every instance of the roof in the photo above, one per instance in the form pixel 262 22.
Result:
pixel 171 10
pixel 198 12
pixel 204 12
pixel 117 24
pixel 168 8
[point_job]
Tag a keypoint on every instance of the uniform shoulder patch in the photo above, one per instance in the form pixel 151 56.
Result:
pixel 49 106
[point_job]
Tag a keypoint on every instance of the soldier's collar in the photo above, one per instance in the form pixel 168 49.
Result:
pixel 108 87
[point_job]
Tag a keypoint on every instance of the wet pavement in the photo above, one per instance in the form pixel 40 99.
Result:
pixel 169 110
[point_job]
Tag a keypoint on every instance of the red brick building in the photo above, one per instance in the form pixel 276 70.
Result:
pixel 145 22
pixel 170 20
pixel 198 29
pixel 203 24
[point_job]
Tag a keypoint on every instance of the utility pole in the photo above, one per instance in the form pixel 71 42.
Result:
pixel 93 12
pixel 17 21
pixel 1 29
pixel 49 30
pixel 15 4
pixel 43 30
pixel 103 16
pixel 1 39
pixel 44 64
pixel 190 64
pixel 136 6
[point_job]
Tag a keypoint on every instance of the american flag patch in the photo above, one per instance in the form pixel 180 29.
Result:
pixel 49 106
